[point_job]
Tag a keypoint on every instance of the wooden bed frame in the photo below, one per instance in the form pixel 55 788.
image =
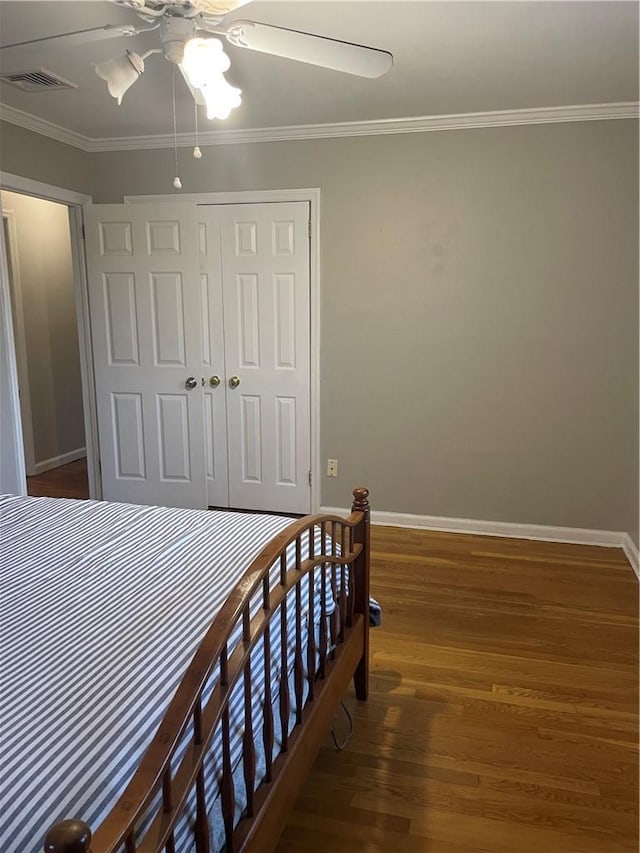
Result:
pixel 340 654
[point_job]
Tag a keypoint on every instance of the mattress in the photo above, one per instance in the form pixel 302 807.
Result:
pixel 102 607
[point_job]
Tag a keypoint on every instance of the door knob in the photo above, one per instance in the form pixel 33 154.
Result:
pixel 234 381
pixel 214 381
pixel 191 383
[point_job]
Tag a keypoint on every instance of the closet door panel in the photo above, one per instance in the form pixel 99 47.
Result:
pixel 265 285
pixel 145 308
pixel 213 357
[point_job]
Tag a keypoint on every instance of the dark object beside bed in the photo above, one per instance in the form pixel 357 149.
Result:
pixel 333 654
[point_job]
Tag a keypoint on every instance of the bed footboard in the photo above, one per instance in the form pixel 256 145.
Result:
pixel 321 562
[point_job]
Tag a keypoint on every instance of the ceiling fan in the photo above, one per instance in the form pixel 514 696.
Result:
pixel 188 30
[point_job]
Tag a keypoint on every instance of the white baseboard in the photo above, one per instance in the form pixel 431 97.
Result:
pixel 57 461
pixel 629 548
pixel 540 532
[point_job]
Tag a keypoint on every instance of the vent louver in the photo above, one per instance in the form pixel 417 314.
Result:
pixel 37 80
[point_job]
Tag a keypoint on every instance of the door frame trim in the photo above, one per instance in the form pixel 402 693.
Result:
pixel 13 442
pixel 19 338
pixel 73 201
pixel 313 197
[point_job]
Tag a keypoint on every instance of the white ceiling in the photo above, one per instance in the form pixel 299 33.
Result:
pixel 450 58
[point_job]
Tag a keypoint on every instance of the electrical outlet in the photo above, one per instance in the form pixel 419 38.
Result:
pixel 332 467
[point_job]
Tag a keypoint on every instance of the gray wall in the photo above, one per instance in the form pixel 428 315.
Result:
pixel 479 311
pixel 31 155
pixel 50 326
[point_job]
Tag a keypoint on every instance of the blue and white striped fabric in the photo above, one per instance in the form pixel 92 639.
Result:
pixel 102 608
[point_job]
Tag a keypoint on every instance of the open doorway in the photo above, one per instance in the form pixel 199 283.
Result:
pixel 38 240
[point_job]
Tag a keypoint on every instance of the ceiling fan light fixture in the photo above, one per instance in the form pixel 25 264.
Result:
pixel 121 72
pixel 220 98
pixel 204 63
pixel 203 57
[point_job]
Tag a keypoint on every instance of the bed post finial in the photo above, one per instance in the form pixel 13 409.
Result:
pixel 68 836
pixel 361 535
pixel 360 499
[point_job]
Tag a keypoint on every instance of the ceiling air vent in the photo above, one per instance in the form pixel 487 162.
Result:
pixel 37 80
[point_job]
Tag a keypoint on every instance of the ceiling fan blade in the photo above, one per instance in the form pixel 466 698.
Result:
pixel 218 8
pixel 109 31
pixel 315 50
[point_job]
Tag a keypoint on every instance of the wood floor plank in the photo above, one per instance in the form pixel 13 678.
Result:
pixel 503 713
pixel 66 481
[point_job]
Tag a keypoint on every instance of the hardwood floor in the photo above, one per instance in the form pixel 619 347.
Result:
pixel 67 481
pixel 503 714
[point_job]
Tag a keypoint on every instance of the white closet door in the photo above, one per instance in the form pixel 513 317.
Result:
pixel 265 262
pixel 213 367
pixel 145 306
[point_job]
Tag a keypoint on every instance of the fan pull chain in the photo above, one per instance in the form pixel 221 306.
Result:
pixel 177 183
pixel 197 153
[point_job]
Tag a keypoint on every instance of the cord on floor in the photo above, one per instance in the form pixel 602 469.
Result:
pixel 340 745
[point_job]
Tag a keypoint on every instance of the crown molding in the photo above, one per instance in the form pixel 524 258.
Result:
pixel 45 128
pixel 378 127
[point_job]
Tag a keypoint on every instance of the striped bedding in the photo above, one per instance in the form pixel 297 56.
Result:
pixel 102 606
